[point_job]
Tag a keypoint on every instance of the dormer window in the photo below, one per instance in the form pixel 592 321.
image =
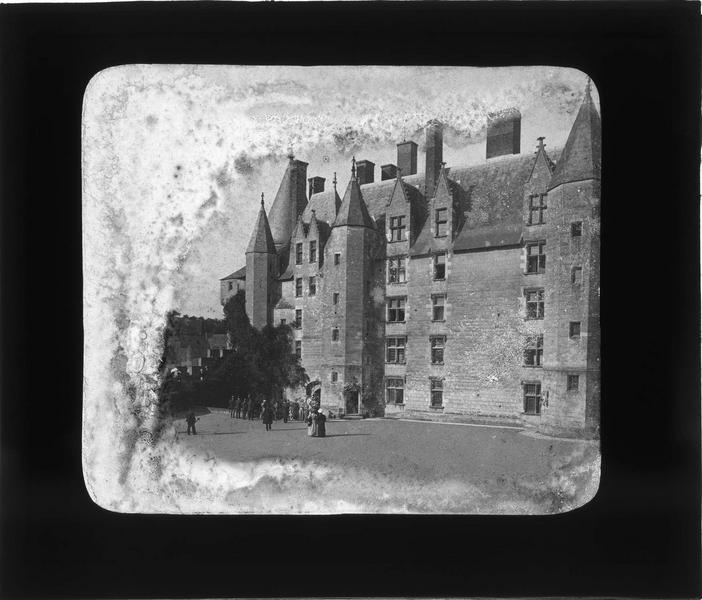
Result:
pixel 537 209
pixel 441 222
pixel 313 252
pixel 298 253
pixel 397 229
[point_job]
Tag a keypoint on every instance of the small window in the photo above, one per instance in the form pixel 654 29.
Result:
pixel 283 322
pixel 298 318
pixel 298 253
pixel 394 390
pixel 231 286
pixel 313 286
pixel 437 393
pixel 397 229
pixel 438 343
pixel 438 303
pixel 298 287
pixel 532 398
pixel 441 222
pixel 576 229
pixel 397 269
pixel 337 258
pixel 313 252
pixel 335 334
pixel 534 351
pixel 335 297
pixel 536 257
pixel 298 348
pixel 576 275
pixel 537 209
pixel 396 310
pixel 440 266
pixel 534 303
pixel 573 383
pixel 574 330
pixel 334 377
pixel 395 349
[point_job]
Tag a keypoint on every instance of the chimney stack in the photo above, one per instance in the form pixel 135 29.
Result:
pixel 365 172
pixel 407 158
pixel 316 185
pixel 434 156
pixel 504 130
pixel 388 172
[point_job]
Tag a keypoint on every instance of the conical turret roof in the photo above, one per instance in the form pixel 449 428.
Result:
pixel 261 237
pixel 582 155
pixel 290 201
pixel 353 210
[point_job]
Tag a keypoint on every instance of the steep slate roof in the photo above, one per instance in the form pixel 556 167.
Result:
pixel 582 155
pixel 261 238
pixel 288 202
pixel 238 274
pixel 353 211
pixel 283 303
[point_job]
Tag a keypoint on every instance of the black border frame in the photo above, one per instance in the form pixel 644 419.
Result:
pixel 640 536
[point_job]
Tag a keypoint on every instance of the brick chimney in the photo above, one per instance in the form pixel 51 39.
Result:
pixel 388 172
pixel 407 158
pixel 434 156
pixel 316 185
pixel 365 172
pixel 504 130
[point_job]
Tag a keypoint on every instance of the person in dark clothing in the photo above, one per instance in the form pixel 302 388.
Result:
pixel 237 408
pixel 231 407
pixel 267 416
pixel 191 422
pixel 286 411
pixel 247 408
pixel 321 424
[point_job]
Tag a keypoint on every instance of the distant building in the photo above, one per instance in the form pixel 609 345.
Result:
pixel 457 293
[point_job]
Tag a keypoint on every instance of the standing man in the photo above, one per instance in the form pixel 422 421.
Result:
pixel 191 422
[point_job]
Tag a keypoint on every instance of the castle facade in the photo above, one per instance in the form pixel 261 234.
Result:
pixel 460 293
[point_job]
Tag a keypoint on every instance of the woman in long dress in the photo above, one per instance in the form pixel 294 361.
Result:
pixel 310 425
pixel 321 426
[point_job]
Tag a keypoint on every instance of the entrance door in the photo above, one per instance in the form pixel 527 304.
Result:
pixel 352 403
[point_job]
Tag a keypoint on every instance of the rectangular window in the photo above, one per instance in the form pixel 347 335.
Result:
pixel 313 286
pixel 395 349
pixel 576 229
pixel 298 348
pixel 438 343
pixel 573 383
pixel 437 392
pixel 441 222
pixel 534 351
pixel 534 303
pixel 335 334
pixel 283 322
pixel 298 253
pixel 337 258
pixel 532 398
pixel 537 209
pixel 574 330
pixel 576 275
pixel 313 252
pixel 397 229
pixel 335 377
pixel 396 310
pixel 440 266
pixel 397 269
pixel 335 297
pixel 437 307
pixel 536 257
pixel 298 318
pixel 231 286
pixel 394 390
pixel 298 287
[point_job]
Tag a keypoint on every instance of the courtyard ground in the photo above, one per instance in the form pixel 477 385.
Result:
pixel 408 466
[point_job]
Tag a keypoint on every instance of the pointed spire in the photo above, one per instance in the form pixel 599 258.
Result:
pixel 261 237
pixel 353 167
pixel 582 155
pixel 263 206
pixel 353 210
pixel 334 181
pixel 290 201
pixel 291 156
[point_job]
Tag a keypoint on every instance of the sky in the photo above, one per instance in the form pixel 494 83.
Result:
pixel 178 156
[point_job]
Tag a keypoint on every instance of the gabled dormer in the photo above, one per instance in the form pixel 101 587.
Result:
pixel 298 241
pixel 442 223
pixel 399 225
pixel 314 242
pixel 536 186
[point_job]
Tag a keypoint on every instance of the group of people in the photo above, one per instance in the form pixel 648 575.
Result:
pixel 316 424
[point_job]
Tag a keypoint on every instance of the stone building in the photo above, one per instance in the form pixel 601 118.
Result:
pixel 460 293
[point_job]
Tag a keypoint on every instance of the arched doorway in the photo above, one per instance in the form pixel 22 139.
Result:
pixel 352 402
